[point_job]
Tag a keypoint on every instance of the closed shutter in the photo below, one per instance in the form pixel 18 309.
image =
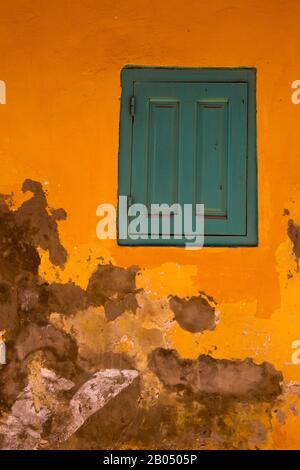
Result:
pixel 189 144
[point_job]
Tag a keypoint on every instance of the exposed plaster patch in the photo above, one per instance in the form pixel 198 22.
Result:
pixel 94 395
pixel 24 426
pixel 292 388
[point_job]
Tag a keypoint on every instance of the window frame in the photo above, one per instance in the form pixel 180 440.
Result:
pixel 130 74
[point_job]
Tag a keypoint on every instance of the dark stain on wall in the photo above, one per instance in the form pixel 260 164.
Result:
pixel 194 314
pixel 34 337
pixel 26 300
pixel 294 234
pixel 115 288
pixel 242 380
pixel 41 222
pixel 198 396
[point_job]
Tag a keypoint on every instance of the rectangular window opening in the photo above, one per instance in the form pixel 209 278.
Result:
pixel 188 136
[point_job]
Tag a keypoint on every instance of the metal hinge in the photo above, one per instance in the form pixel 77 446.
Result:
pixel 132 106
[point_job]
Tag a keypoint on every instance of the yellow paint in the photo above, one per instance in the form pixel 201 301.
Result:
pixel 61 63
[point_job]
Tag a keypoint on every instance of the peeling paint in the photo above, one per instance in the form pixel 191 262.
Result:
pixel 91 344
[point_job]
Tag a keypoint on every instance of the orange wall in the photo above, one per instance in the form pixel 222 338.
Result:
pixel 61 62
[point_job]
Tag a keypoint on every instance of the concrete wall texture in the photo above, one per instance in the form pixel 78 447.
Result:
pixel 198 346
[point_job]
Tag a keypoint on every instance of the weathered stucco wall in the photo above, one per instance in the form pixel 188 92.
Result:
pixel 61 62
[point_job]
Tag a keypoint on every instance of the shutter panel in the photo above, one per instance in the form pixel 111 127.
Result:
pixel 189 145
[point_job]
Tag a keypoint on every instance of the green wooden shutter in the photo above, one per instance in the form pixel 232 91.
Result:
pixel 189 143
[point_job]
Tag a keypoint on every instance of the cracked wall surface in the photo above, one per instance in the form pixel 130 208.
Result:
pixel 118 347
